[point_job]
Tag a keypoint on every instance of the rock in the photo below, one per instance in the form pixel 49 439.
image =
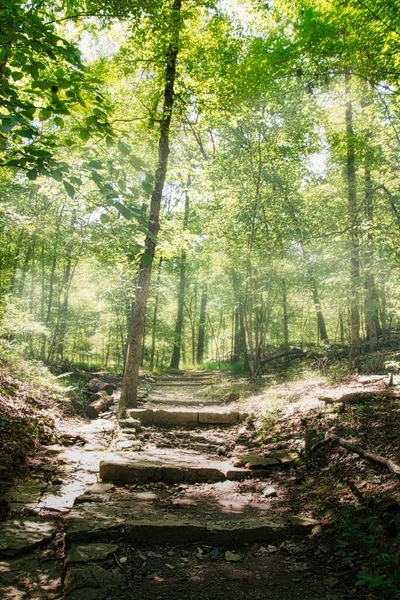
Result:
pixel 145 416
pixel 232 557
pixel 269 492
pixel 131 424
pixel 85 553
pixel 302 525
pixel 172 418
pixel 21 535
pixel 125 471
pixel 284 456
pixel 272 549
pixel 331 581
pixel 218 418
pixel 92 577
pixel 255 461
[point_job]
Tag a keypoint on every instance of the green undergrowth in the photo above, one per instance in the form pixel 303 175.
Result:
pixel 368 540
pixel 31 399
pixel 359 501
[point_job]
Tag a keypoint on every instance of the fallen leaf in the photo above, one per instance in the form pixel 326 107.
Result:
pixel 232 557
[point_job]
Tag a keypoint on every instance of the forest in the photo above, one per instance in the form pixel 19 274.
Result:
pixel 279 126
pixel 200 185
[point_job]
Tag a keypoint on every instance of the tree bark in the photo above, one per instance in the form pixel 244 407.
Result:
pixel 155 315
pixel 176 353
pixel 354 233
pixel 202 325
pixel 323 335
pixel 371 295
pixel 285 317
pixel 133 354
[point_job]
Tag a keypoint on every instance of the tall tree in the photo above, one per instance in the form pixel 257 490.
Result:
pixel 135 335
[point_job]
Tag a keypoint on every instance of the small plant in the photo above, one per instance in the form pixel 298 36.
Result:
pixel 364 535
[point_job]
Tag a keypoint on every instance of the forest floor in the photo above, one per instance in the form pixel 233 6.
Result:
pixel 237 510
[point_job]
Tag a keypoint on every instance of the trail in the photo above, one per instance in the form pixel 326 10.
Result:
pixel 183 508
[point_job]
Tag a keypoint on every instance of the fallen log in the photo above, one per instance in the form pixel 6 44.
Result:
pixel 101 401
pixel 361 396
pixel 369 456
pixel 96 385
pixel 289 355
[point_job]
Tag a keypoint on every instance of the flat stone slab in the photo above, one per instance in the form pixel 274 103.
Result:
pixel 129 471
pixel 216 513
pixel 255 461
pixel 84 553
pixel 173 418
pixel 157 528
pixel 185 418
pixel 260 461
pixel 21 535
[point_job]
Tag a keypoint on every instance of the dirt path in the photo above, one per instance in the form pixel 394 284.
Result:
pixel 185 508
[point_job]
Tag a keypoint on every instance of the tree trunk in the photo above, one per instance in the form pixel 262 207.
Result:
pixel 155 314
pixel 202 325
pixel 176 353
pixel 133 354
pixel 371 296
pixel 354 233
pixel 323 335
pixel 285 317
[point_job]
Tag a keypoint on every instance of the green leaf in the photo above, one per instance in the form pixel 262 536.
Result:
pixel 59 122
pixel 17 75
pixel 104 218
pixel 69 189
pixel 148 187
pixel 32 174
pixel 109 141
pixel 145 259
pixel 81 101
pixel 56 175
pixel 84 135
pixel 124 210
pixel 25 133
pixel 94 164
pixel 44 114
pixel 123 148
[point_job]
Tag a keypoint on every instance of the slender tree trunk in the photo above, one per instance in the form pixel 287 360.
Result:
pixel 285 317
pixel 133 354
pixel 354 233
pixel 323 335
pixel 371 295
pixel 176 353
pixel 341 327
pixel 25 267
pixel 244 351
pixel 63 321
pixel 202 325
pixel 155 315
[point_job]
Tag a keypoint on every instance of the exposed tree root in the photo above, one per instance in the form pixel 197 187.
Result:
pixel 369 456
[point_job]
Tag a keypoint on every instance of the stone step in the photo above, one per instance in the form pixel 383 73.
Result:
pixel 142 517
pixel 175 378
pixel 182 384
pixel 168 466
pixel 185 418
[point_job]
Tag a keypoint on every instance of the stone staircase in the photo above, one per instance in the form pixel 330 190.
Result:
pixel 164 482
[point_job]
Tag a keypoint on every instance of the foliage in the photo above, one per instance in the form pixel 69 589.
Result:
pixel 363 535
